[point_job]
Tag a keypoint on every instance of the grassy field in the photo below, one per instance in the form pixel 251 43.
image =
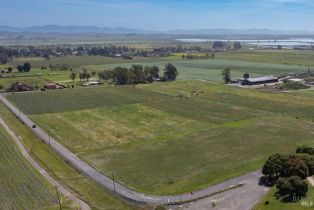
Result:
pixel 257 63
pixel 78 61
pixel 168 138
pixel 211 69
pixel 305 58
pixel 35 81
pixel 21 187
pixel 276 204
pixel 80 185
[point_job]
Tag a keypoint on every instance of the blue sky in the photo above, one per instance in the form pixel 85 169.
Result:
pixel 161 14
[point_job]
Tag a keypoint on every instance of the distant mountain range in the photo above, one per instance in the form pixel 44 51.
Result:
pixel 71 29
pixel 121 30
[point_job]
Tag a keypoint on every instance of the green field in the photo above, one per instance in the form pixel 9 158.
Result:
pixel 78 61
pixel 256 63
pixel 21 186
pixel 305 58
pixel 168 138
pixel 89 191
pixel 277 204
pixel 211 69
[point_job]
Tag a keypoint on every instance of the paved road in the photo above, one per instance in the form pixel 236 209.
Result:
pixel 106 182
pixel 27 156
pixel 244 198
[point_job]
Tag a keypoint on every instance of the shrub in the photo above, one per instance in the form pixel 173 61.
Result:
pixel 293 86
pixel 305 150
pixel 309 161
pixel 295 166
pixel 274 166
pixel 292 186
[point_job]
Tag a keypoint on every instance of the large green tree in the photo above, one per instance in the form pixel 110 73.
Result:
pixel 121 75
pixel 226 73
pixel 295 166
pixel 309 161
pixel 274 166
pixel 138 74
pixel 73 76
pixel 27 67
pixel 292 187
pixel 170 72
pixel 3 58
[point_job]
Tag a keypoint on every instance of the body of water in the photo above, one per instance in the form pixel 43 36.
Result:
pixel 283 42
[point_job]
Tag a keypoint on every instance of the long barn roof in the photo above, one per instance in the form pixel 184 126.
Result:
pixel 262 79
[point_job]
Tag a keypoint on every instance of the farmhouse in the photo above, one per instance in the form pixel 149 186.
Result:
pixel 259 80
pixel 23 87
pixel 91 83
pixel 50 86
pixel 20 87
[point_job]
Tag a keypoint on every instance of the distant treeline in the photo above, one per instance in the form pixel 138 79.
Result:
pixel 226 45
pixel 139 74
pixel 7 53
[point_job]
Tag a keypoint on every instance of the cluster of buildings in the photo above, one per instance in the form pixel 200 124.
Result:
pixel 305 79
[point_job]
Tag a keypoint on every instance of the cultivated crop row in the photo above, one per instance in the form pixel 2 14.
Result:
pixel 20 186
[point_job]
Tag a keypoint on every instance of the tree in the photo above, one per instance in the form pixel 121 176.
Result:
pixel 309 161
pixel 94 73
pixel 151 73
pixel 73 76
pixel 170 72
pixel 82 76
pixel 121 75
pixel 20 68
pixel 87 76
pixel 3 58
pixel 246 76
pixel 10 69
pixel 274 166
pixel 295 166
pixel 27 67
pixel 154 72
pixel 106 74
pixel 147 74
pixel 237 45
pixel 218 45
pixel 138 74
pixel 226 73
pixel 292 186
pixel 305 149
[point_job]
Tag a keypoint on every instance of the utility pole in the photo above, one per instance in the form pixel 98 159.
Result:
pixel 59 201
pixel 114 184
